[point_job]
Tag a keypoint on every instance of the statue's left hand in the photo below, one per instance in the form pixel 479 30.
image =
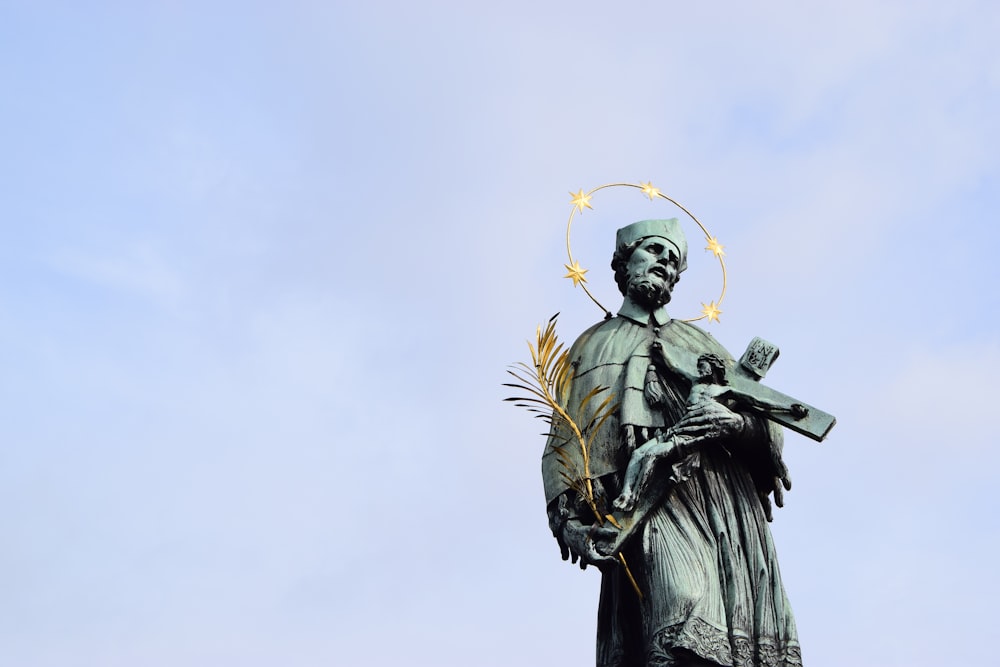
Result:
pixel 710 420
pixel 583 542
pixel 782 480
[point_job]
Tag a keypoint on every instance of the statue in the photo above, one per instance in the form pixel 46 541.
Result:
pixel 676 466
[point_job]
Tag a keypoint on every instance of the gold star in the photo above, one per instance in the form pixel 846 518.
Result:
pixel 575 273
pixel 711 311
pixel 715 246
pixel 649 190
pixel 580 200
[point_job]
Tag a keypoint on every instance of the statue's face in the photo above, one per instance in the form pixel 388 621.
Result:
pixel 704 369
pixel 652 272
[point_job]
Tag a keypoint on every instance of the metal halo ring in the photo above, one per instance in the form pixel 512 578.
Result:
pixel 581 200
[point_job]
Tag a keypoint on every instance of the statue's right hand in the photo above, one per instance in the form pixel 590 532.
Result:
pixel 581 541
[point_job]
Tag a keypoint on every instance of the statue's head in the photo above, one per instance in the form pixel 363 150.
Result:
pixel 712 368
pixel 649 258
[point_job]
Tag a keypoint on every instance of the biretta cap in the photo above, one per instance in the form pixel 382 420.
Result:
pixel 669 229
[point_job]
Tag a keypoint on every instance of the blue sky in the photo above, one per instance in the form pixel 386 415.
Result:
pixel 263 269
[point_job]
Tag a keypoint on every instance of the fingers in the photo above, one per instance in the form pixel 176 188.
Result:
pixel 696 430
pixel 591 556
pixel 708 406
pixel 603 533
pixel 712 415
pixel 699 423
pixel 779 496
pixel 581 548
pixel 699 419
pixel 766 503
pixel 780 469
pixel 703 411
pixel 599 559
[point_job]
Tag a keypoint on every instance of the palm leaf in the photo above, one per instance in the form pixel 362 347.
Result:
pixel 547 382
pixel 544 390
pixel 601 410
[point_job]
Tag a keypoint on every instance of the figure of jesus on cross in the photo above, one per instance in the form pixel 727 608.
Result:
pixel 679 443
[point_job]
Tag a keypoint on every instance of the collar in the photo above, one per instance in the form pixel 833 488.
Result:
pixel 631 310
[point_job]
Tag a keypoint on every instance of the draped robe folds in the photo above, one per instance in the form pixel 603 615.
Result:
pixel 704 558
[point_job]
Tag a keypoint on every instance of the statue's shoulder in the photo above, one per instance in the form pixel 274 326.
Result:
pixel 696 339
pixel 605 327
pixel 599 333
pixel 689 330
pixel 608 343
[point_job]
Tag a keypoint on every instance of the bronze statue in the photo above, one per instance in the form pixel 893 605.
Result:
pixel 681 465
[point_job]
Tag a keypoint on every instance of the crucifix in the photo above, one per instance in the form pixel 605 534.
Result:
pixel 747 390
pixel 709 381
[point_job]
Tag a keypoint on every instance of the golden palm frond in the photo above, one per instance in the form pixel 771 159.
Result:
pixel 547 383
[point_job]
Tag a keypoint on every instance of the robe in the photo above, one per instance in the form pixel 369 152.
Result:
pixel 703 557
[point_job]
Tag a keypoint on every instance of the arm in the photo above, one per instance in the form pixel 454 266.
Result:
pixel 752 438
pixel 761 404
pixel 660 356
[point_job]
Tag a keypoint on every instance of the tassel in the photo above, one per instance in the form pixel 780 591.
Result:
pixel 653 390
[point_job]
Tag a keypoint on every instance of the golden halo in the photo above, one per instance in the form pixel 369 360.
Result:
pixel 581 200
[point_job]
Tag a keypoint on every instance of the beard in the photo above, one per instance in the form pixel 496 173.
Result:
pixel 649 291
